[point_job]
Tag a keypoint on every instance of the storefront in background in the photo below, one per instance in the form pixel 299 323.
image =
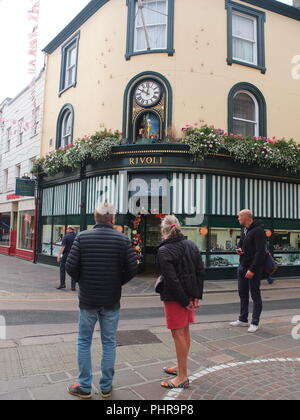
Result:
pixel 17 225
pixel 218 188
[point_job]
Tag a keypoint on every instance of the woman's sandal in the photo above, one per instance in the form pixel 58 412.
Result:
pixel 170 385
pixel 169 371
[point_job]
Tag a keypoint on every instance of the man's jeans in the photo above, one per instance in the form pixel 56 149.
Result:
pixel 252 286
pixel 108 320
pixel 62 267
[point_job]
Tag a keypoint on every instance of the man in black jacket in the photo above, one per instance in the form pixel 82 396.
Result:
pixel 102 261
pixel 252 251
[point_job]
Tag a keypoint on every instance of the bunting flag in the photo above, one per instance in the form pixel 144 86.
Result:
pixel 33 16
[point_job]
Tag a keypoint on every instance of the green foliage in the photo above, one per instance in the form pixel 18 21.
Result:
pixel 96 147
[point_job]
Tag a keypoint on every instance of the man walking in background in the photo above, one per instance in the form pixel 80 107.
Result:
pixel 102 260
pixel 252 251
pixel 63 253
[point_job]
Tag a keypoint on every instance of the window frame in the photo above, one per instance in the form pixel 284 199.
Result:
pixel 256 122
pixel 20 131
pixel 35 120
pixel 67 108
pixel 262 106
pixel 131 32
pixel 260 16
pixel 65 49
pixel 8 139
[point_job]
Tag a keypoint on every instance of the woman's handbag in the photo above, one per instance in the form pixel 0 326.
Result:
pixel 159 285
pixel 270 266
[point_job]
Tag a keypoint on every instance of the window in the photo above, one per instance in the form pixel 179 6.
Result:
pixel 31 163
pixel 222 246
pixel 244 38
pixel 35 120
pixel 26 230
pixel 18 171
pixel 245 114
pixel 65 127
pixel 247 111
pixel 150 27
pixel 246 43
pixel 8 139
pixel 5 180
pixel 4 228
pixel 68 77
pixel 20 131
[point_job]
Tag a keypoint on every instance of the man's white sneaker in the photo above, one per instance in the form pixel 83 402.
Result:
pixel 239 324
pixel 253 328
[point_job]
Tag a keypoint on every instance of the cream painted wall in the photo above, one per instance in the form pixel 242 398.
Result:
pixel 198 72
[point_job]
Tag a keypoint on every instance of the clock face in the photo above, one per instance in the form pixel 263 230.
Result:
pixel 148 93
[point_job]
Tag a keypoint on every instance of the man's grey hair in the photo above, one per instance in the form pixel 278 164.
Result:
pixel 105 213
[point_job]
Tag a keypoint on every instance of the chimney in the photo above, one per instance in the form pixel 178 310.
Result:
pixel 296 3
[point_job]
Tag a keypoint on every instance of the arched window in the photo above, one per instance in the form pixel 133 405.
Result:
pixel 245 114
pixel 147 108
pixel 65 125
pixel 247 111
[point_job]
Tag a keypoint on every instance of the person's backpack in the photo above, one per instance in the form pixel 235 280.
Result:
pixel 270 266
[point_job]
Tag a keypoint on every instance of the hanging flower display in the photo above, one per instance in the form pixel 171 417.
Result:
pixel 137 239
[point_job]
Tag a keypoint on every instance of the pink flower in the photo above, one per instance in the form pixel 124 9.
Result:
pixel 196 124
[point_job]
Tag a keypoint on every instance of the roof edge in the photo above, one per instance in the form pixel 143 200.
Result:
pixel 90 9
pixel 276 7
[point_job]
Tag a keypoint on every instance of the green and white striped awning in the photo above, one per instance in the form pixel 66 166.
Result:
pixel 62 200
pixel 190 193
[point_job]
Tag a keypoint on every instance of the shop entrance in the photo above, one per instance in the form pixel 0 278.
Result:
pixel 146 236
pixel 152 238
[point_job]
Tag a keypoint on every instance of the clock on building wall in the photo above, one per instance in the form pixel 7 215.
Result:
pixel 148 94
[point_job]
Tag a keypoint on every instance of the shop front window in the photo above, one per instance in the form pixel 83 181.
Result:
pixel 286 247
pixel 26 230
pixel 224 240
pixel 223 260
pixel 46 239
pixel 59 232
pixel 222 247
pixel 193 234
pixel 286 241
pixel 4 228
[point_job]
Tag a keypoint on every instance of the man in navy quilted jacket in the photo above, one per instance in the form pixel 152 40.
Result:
pixel 102 261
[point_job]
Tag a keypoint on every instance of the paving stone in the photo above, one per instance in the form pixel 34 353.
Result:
pixel 23 383
pixel 240 357
pixel 144 362
pixel 123 395
pixel 246 339
pixel 16 396
pixel 256 350
pixel 73 373
pixel 152 372
pixel 57 377
pixel 54 392
pixel 122 379
pixel 150 391
pixel 131 338
pixel 221 359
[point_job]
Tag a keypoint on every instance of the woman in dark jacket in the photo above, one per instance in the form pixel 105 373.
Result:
pixel 181 289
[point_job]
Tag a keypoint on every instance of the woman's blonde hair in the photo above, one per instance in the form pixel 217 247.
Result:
pixel 170 226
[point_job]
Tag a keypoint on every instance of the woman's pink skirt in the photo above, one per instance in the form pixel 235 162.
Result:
pixel 177 316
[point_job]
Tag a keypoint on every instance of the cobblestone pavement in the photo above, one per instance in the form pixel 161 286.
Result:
pixel 224 363
pixel 24 278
